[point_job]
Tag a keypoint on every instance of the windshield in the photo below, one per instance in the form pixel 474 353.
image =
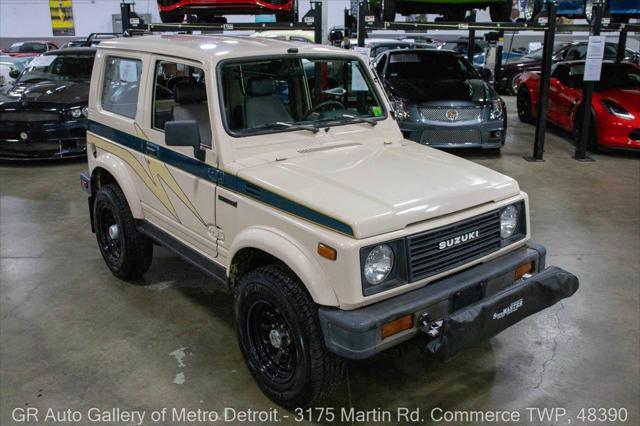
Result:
pixel 59 68
pixel 612 76
pixel 534 55
pixel 276 94
pixel 27 47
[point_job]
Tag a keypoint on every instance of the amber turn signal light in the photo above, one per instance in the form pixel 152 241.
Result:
pixel 327 252
pixel 396 326
pixel 523 269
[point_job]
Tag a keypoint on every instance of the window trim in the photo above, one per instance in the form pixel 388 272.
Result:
pixel 106 60
pixel 224 62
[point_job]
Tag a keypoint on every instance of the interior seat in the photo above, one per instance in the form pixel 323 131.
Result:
pixel 262 106
pixel 191 100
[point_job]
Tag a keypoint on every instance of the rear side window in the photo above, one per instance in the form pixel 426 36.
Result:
pixel 121 86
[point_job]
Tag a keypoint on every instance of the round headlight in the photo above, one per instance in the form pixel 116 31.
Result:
pixel 76 113
pixel 85 111
pixel 508 221
pixel 378 264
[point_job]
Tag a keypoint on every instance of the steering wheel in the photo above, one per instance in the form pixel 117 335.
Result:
pixel 325 105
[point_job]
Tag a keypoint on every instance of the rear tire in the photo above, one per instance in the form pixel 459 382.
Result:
pixel 523 102
pixel 171 17
pixel 286 16
pixel 280 337
pixel 388 10
pixel 127 252
pixel 455 14
pixel 500 12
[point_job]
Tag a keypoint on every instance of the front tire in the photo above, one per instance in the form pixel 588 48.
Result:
pixel 127 252
pixel 280 337
pixel 500 11
pixel 523 102
pixel 455 14
pixel 171 17
pixel 287 16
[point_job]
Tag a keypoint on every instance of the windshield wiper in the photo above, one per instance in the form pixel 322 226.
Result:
pixel 310 128
pixel 361 119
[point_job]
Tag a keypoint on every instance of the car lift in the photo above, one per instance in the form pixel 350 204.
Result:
pixel 368 20
pixel 132 24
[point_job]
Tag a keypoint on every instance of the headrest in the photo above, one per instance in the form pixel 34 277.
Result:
pixel 189 92
pixel 261 87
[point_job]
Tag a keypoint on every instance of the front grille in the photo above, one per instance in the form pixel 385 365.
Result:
pixel 450 136
pixel 29 116
pixel 452 114
pixel 426 258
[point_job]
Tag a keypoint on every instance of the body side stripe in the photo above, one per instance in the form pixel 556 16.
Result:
pixel 226 180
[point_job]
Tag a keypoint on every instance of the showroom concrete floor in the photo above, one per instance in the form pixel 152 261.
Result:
pixel 73 337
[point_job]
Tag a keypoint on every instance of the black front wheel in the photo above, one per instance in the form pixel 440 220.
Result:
pixel 127 252
pixel 500 11
pixel 286 16
pixel 281 340
pixel 171 17
pixel 523 103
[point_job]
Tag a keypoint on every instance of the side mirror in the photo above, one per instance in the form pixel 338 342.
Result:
pixel 184 133
pixel 14 73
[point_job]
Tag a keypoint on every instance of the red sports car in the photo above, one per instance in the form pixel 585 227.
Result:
pixel 210 10
pixel 615 107
pixel 23 49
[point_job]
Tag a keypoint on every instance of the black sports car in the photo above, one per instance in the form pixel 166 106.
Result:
pixel 513 70
pixel 44 113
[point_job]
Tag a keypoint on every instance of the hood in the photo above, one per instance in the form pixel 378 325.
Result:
pixel 628 99
pixel 420 90
pixel 378 189
pixel 46 92
pixel 522 63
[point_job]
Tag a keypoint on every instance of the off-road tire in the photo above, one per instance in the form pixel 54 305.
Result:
pixel 454 14
pixel 135 249
pixel 523 102
pixel 316 371
pixel 500 11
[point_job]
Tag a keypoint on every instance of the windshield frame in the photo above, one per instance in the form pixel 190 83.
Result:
pixel 59 55
pixel 364 70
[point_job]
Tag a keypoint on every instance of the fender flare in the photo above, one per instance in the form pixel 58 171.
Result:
pixel 118 169
pixel 292 254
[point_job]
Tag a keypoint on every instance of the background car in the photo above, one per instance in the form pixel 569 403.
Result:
pixel 10 68
pixel 513 69
pixel 301 36
pixel 615 105
pixel 44 114
pixel 172 11
pixel 29 48
pixel 452 10
pixel 618 10
pixel 440 100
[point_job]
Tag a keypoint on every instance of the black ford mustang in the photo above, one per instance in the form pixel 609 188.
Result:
pixel 44 114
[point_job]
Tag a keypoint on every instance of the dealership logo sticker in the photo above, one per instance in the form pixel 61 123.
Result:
pixel 452 242
pixel 509 309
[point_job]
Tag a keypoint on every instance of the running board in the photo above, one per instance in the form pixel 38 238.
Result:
pixel 209 267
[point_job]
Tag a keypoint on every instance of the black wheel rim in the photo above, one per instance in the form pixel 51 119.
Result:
pixel 271 344
pixel 110 244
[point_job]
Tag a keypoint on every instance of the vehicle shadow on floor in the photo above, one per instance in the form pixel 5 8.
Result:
pixel 402 377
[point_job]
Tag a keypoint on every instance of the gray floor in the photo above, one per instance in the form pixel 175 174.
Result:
pixel 74 337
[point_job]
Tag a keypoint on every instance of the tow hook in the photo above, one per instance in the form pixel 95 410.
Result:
pixel 431 328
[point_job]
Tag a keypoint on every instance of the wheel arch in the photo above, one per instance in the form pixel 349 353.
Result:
pixel 258 246
pixel 110 169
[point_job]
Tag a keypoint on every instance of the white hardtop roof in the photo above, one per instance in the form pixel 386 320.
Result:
pixel 214 47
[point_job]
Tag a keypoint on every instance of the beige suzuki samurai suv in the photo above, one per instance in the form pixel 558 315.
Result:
pixel 279 170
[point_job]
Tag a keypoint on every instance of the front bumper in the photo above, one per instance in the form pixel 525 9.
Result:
pixel 466 303
pixel 44 140
pixel 484 134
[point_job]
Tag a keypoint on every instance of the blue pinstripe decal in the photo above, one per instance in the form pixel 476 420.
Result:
pixel 205 171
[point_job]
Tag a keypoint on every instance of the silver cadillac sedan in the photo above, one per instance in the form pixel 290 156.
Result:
pixel 441 100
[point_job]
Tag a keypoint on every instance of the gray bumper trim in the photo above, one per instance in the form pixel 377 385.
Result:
pixel 356 334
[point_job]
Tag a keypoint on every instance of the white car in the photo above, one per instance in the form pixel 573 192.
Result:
pixel 9 64
pixel 279 170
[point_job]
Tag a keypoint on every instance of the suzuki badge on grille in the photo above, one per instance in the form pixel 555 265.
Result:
pixel 451 242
